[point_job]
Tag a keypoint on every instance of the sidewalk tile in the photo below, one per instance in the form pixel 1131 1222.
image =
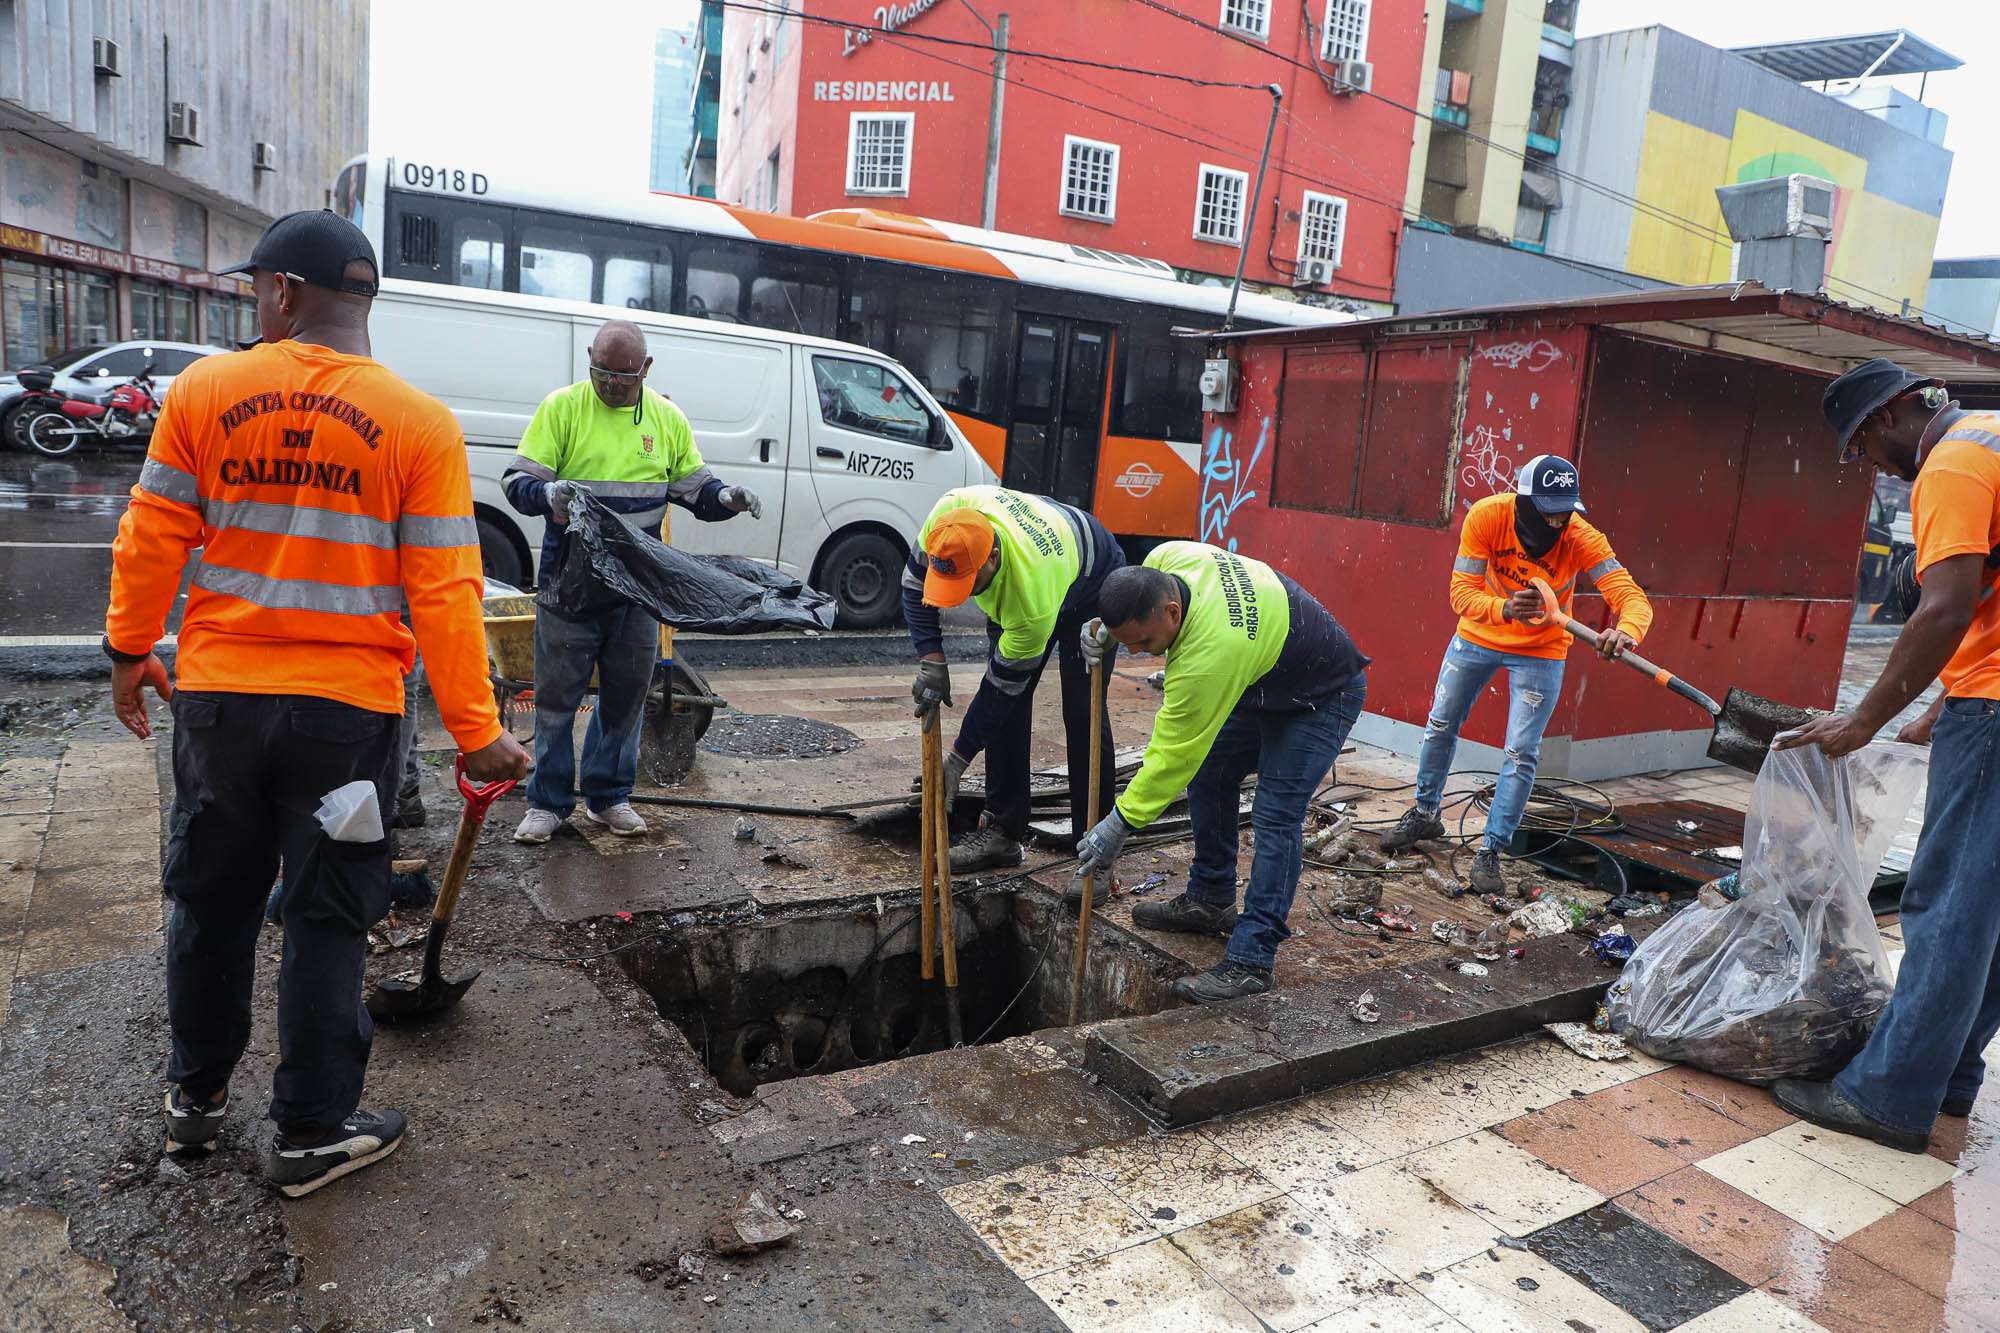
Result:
pixel 1398 1114
pixel 1507 1185
pixel 1904 1177
pixel 1283 1263
pixel 1588 1148
pixel 1746 1105
pixel 1751 1240
pixel 1176 1180
pixel 1636 1266
pixel 1563 1070
pixel 1400 1310
pixel 1513 1291
pixel 1851 1295
pixel 1813 1195
pixel 1294 1144
pixel 1962 1271
pixel 1752 1312
pixel 1397 1220
pixel 1151 1288
pixel 1664 1115
pixel 1046 1216
pixel 1488 1087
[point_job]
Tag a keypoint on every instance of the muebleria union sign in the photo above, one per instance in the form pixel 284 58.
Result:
pixel 888 18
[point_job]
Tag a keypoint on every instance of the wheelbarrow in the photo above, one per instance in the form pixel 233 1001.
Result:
pixel 679 703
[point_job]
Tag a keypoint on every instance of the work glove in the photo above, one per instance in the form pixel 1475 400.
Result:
pixel 931 687
pixel 740 498
pixel 1099 848
pixel 1097 644
pixel 954 769
pixel 561 495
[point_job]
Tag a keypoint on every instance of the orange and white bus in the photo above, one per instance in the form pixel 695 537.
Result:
pixel 1057 361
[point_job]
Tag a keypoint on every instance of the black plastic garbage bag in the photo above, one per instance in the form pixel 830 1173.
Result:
pixel 604 562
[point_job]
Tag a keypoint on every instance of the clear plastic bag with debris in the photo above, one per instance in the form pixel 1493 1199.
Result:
pixel 1787 980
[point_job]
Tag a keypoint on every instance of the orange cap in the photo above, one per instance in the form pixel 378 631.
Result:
pixel 957 546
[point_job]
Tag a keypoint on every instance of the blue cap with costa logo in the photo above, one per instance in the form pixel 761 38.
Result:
pixel 1550 481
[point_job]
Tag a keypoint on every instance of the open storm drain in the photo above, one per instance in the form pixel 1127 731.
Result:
pixel 775 736
pixel 781 998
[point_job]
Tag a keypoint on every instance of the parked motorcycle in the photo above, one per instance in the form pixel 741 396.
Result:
pixel 125 412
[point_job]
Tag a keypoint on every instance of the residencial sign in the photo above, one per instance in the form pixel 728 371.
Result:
pixel 881 90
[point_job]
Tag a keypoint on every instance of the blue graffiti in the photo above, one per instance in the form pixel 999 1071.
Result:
pixel 1225 481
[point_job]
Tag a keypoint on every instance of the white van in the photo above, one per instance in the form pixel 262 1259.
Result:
pixel 846 449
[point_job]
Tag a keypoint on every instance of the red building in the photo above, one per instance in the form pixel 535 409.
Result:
pixel 816 115
pixel 1693 415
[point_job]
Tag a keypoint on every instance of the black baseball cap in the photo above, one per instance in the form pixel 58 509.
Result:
pixel 1859 393
pixel 314 245
pixel 1550 481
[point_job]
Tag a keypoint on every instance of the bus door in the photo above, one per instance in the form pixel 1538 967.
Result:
pixel 1056 420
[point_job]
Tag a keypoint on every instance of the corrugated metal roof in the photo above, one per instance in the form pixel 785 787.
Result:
pixel 1744 319
pixel 1816 59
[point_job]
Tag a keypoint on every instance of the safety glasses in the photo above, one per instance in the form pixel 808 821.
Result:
pixel 605 375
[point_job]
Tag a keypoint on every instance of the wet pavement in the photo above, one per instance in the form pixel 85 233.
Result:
pixel 571 1153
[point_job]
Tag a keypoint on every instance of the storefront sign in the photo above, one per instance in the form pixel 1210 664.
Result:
pixel 881 90
pixel 888 18
pixel 96 256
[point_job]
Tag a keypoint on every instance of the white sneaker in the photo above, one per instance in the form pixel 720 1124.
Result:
pixel 621 819
pixel 538 825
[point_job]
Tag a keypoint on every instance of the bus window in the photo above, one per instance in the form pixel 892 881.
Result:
pixel 481 247
pixel 639 284
pixel 552 265
pixel 799 307
pixel 1159 396
pixel 871 307
pixel 872 399
pixel 715 278
pixel 951 331
pixel 1184 398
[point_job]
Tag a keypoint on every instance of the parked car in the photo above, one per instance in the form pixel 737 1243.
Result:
pixel 846 447
pixel 92 369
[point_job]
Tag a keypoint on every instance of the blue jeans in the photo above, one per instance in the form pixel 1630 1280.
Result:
pixel 1291 753
pixel 1946 1007
pixel 1533 684
pixel 622 647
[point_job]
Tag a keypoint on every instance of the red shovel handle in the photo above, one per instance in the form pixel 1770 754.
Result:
pixel 481 795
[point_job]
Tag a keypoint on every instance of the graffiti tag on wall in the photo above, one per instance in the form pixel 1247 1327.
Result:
pixel 1533 355
pixel 1225 482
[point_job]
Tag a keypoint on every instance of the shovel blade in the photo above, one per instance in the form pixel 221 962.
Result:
pixel 1747 725
pixel 401 1000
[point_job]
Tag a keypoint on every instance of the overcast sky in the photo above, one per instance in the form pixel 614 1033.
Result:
pixel 555 92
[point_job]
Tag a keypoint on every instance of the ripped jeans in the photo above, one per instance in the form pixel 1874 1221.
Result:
pixel 1533 683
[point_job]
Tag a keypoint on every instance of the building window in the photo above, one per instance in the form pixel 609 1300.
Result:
pixel 163 314
pixel 1090 179
pixel 1346 30
pixel 36 312
pixel 1249 16
pixel 1218 207
pixel 769 203
pixel 878 153
pixel 1322 227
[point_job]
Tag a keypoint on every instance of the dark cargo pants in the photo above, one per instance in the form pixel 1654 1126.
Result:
pixel 249 772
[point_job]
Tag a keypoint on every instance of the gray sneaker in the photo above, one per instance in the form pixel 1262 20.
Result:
pixel 1183 914
pixel 1485 877
pixel 985 848
pixel 538 825
pixel 621 819
pixel 1414 827
pixel 192 1126
pixel 364 1137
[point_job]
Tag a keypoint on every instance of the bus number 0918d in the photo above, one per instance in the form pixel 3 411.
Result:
pixel 455 179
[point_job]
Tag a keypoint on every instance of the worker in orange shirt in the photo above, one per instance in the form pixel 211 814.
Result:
pixel 1927 1053
pixel 1507 542
pixel 323 491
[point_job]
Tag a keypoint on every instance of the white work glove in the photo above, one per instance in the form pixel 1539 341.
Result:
pixel 931 687
pixel 1099 848
pixel 741 498
pixel 1097 644
pixel 561 495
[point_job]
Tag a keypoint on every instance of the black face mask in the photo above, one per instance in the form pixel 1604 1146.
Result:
pixel 1535 533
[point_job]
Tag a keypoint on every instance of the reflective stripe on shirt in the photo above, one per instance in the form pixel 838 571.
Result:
pixel 529 467
pixel 1972 435
pixel 1466 564
pixel 1601 568
pixel 169 483
pixel 298 594
pixel 299 521
pixel 438 530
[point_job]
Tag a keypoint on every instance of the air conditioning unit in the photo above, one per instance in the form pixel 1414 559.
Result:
pixel 1353 76
pixel 1312 273
pixel 184 124
pixel 263 156
pixel 104 57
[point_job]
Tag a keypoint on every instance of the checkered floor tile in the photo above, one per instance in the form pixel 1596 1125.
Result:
pixel 1522 1188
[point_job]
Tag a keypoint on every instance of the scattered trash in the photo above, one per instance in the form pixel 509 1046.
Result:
pixel 1352 895
pixel 1326 835
pixel 1469 969
pixel 796 1214
pixel 1444 884
pixel 626 917
pixel 1393 921
pixel 752 1225
pixel 1148 884
pixel 1786 980
pixel 1447 932
pixel 1545 916
pixel 1158 680
pixel 1612 948
pixel 1530 893
pixel 690 1266
pixel 1514 954
pixel 778 856
pixel 1727 855
pixel 745 830
pixel 1588 1044
pixel 1487 944
pixel 1632 904
pixel 911 1139
pixel 1499 904
pixel 1687 825
pixel 1364 1008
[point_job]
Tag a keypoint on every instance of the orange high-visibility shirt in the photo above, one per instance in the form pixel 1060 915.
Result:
pixel 1956 505
pixel 1491 565
pixel 325 494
